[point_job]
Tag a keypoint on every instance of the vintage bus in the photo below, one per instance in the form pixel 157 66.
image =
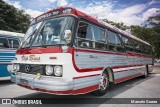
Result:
pixel 9 42
pixel 69 52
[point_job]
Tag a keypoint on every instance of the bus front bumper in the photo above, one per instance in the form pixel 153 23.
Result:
pixel 48 85
pixel 57 86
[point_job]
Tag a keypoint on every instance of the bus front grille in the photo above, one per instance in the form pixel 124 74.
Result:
pixel 32 69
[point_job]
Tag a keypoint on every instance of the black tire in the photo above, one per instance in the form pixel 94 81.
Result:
pixel 103 86
pixel 146 72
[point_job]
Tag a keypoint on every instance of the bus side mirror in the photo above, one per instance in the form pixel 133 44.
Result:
pixel 68 35
pixel 12 44
pixel 21 41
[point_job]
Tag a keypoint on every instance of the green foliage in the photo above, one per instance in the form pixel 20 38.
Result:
pixel 118 25
pixel 13 19
pixel 154 21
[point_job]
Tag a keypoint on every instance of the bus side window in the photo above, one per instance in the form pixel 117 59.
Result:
pixel 137 47
pixel 99 37
pixel 3 43
pixel 84 35
pixel 114 42
pixel 13 43
pixel 129 44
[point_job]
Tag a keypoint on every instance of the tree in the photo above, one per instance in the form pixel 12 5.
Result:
pixel 118 25
pixel 154 21
pixel 13 19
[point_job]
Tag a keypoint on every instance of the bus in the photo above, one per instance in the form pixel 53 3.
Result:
pixel 9 42
pixel 66 51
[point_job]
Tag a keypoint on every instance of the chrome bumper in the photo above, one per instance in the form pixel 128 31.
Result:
pixel 55 84
pixel 45 83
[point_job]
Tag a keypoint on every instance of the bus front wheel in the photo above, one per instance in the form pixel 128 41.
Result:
pixel 103 86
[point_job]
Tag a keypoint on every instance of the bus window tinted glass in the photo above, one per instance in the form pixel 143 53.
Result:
pixel 113 38
pixel 3 43
pixel 127 42
pixel 84 31
pixel 98 34
pixel 30 35
pixel 13 43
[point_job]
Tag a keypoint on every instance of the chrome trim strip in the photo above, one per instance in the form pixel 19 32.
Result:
pixel 99 50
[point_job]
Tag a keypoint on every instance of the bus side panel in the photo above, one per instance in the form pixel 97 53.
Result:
pixel 124 66
pixel 6 56
pixel 132 72
pixel 86 59
pixel 3 70
pixel 126 73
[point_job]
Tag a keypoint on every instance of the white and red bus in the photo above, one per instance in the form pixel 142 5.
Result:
pixel 66 51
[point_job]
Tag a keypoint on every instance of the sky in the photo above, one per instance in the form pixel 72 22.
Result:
pixel 130 12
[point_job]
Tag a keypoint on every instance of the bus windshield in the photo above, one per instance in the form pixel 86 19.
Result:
pixel 29 35
pixel 51 32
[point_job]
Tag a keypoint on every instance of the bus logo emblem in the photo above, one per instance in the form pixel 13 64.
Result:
pixel 24 58
pixel 27 68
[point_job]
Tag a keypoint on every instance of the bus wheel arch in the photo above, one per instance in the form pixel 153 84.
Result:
pixel 110 73
pixel 107 76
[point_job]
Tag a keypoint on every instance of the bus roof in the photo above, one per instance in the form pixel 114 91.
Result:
pixel 8 33
pixel 60 11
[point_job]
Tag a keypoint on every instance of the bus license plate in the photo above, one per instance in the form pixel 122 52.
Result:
pixel 23 81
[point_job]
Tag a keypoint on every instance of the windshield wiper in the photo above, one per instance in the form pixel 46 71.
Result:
pixel 30 39
pixel 42 42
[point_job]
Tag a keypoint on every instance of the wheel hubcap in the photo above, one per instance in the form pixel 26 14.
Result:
pixel 104 82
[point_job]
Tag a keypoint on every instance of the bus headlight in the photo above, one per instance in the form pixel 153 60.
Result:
pixel 64 48
pixel 14 67
pixel 58 71
pixel 18 67
pixel 49 70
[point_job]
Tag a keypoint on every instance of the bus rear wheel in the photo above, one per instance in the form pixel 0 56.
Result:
pixel 103 86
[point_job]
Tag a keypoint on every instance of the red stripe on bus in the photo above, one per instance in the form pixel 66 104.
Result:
pixel 37 50
pixel 127 78
pixel 86 76
pixel 74 92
